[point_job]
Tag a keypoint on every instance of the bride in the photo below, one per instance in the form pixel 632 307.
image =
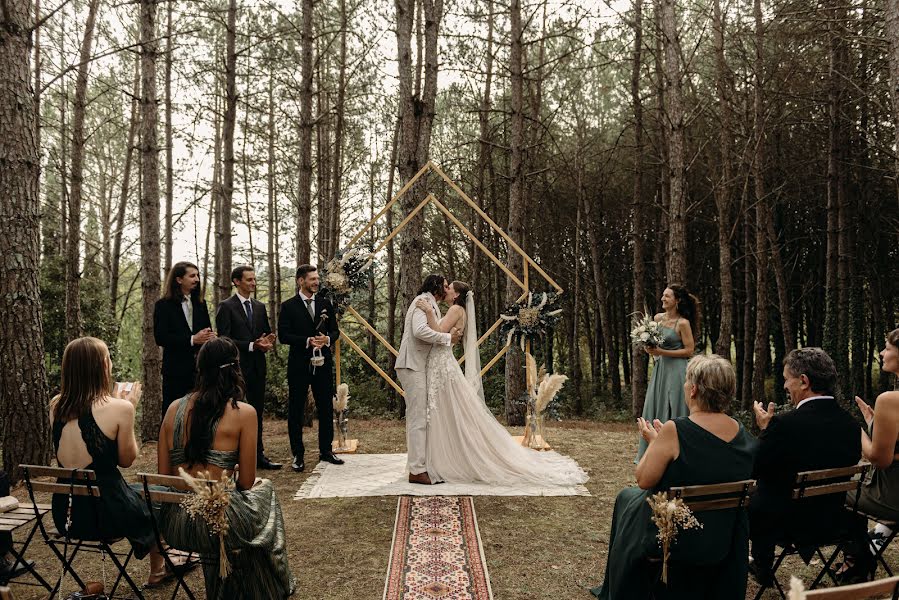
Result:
pixel 465 441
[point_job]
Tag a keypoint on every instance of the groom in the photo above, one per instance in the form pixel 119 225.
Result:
pixel 418 339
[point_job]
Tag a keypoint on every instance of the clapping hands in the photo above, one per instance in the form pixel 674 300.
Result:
pixel 867 411
pixel 763 416
pixel 128 391
pixel 264 343
pixel 649 431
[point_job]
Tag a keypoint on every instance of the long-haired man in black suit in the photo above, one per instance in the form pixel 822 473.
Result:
pixel 245 320
pixel 308 323
pixel 180 325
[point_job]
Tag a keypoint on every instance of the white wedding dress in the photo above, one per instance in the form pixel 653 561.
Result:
pixel 466 443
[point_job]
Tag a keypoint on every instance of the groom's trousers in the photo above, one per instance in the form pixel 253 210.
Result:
pixel 415 386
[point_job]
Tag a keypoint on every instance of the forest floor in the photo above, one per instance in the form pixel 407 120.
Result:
pixel 536 547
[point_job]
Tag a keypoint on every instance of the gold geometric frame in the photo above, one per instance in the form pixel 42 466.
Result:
pixel 523 283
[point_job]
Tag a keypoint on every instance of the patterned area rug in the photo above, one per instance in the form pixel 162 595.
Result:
pixel 385 475
pixel 436 552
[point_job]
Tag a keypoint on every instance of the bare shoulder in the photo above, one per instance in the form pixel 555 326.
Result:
pixel 244 412
pixel 888 400
pixel 659 317
pixel 456 310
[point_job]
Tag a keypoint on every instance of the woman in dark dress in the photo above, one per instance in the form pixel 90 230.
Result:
pixel 703 448
pixel 95 430
pixel 211 431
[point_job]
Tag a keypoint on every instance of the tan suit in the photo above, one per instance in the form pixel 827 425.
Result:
pixel 411 367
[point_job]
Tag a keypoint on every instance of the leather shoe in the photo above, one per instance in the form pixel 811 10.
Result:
pixel 263 462
pixel 298 464
pixel 422 478
pixel 859 572
pixel 330 458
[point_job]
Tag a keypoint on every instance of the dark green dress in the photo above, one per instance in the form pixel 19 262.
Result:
pixel 714 557
pixel 256 541
pixel 119 511
pixel 665 393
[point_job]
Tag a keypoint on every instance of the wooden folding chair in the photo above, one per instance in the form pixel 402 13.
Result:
pixel 882 588
pixel 23 518
pixel 811 484
pixel 700 499
pixel 83 484
pixel 154 498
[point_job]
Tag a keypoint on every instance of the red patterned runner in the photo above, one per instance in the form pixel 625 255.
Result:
pixel 436 552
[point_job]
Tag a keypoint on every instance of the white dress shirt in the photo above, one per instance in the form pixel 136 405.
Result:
pixel 311 305
pixel 813 398
pixel 185 307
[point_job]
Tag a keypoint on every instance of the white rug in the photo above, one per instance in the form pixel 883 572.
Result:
pixel 385 475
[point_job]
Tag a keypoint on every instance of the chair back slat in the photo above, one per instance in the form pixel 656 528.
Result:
pixel 172 481
pixel 820 474
pixel 882 588
pixel 824 490
pixel 715 496
pixel 164 497
pixel 64 488
pixel 45 471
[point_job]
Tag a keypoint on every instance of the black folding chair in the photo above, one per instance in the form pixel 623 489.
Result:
pixel 83 483
pixel 18 519
pixel 155 498
pixel 811 484
pixel 876 550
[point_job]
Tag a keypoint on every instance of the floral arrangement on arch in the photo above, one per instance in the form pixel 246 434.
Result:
pixel 530 319
pixel 348 272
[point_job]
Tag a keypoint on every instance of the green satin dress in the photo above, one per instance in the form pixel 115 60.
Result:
pixel 665 393
pixel 706 564
pixel 256 541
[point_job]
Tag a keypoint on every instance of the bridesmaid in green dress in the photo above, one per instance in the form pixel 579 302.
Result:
pixel 665 393
pixel 704 448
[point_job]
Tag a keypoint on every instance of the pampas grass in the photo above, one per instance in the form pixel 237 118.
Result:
pixel 342 398
pixel 547 390
pixel 797 589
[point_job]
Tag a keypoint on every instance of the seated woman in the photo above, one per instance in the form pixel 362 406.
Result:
pixel 880 445
pixel 212 431
pixel 94 430
pixel 703 448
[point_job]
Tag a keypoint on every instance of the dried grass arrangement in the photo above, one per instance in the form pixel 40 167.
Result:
pixel 797 589
pixel 209 502
pixel 670 516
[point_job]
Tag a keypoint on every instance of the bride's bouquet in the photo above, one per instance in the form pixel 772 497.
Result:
pixel 646 332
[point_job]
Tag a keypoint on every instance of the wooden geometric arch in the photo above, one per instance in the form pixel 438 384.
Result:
pixel 523 283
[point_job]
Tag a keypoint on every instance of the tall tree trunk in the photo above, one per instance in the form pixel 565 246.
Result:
pixel 574 343
pixel 245 162
pixel 638 236
pixel 676 218
pixel 396 401
pixel 340 111
pixel 273 304
pixel 215 200
pixel 229 121
pixel 515 387
pixel 323 172
pixel 149 222
pixel 416 120
pixel 24 427
pixel 485 158
pixel 169 174
pixel 124 192
pixel 63 141
pixel 73 246
pixel 762 343
pixel 892 34
pixel 724 185
pixel 304 183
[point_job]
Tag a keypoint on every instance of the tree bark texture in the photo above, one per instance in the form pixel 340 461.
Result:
pixel 304 182
pixel 228 123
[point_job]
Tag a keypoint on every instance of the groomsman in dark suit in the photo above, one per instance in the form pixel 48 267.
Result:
pixel 307 323
pixel 180 325
pixel 245 320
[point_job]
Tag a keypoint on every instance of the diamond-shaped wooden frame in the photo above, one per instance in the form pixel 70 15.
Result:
pixel 523 283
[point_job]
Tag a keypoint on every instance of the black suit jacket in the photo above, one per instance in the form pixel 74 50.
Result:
pixel 818 435
pixel 231 322
pixel 172 333
pixel 295 327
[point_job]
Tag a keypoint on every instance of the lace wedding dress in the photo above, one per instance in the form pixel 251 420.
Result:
pixel 465 441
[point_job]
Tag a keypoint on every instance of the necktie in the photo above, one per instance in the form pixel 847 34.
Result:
pixel 189 311
pixel 249 308
pixel 309 308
